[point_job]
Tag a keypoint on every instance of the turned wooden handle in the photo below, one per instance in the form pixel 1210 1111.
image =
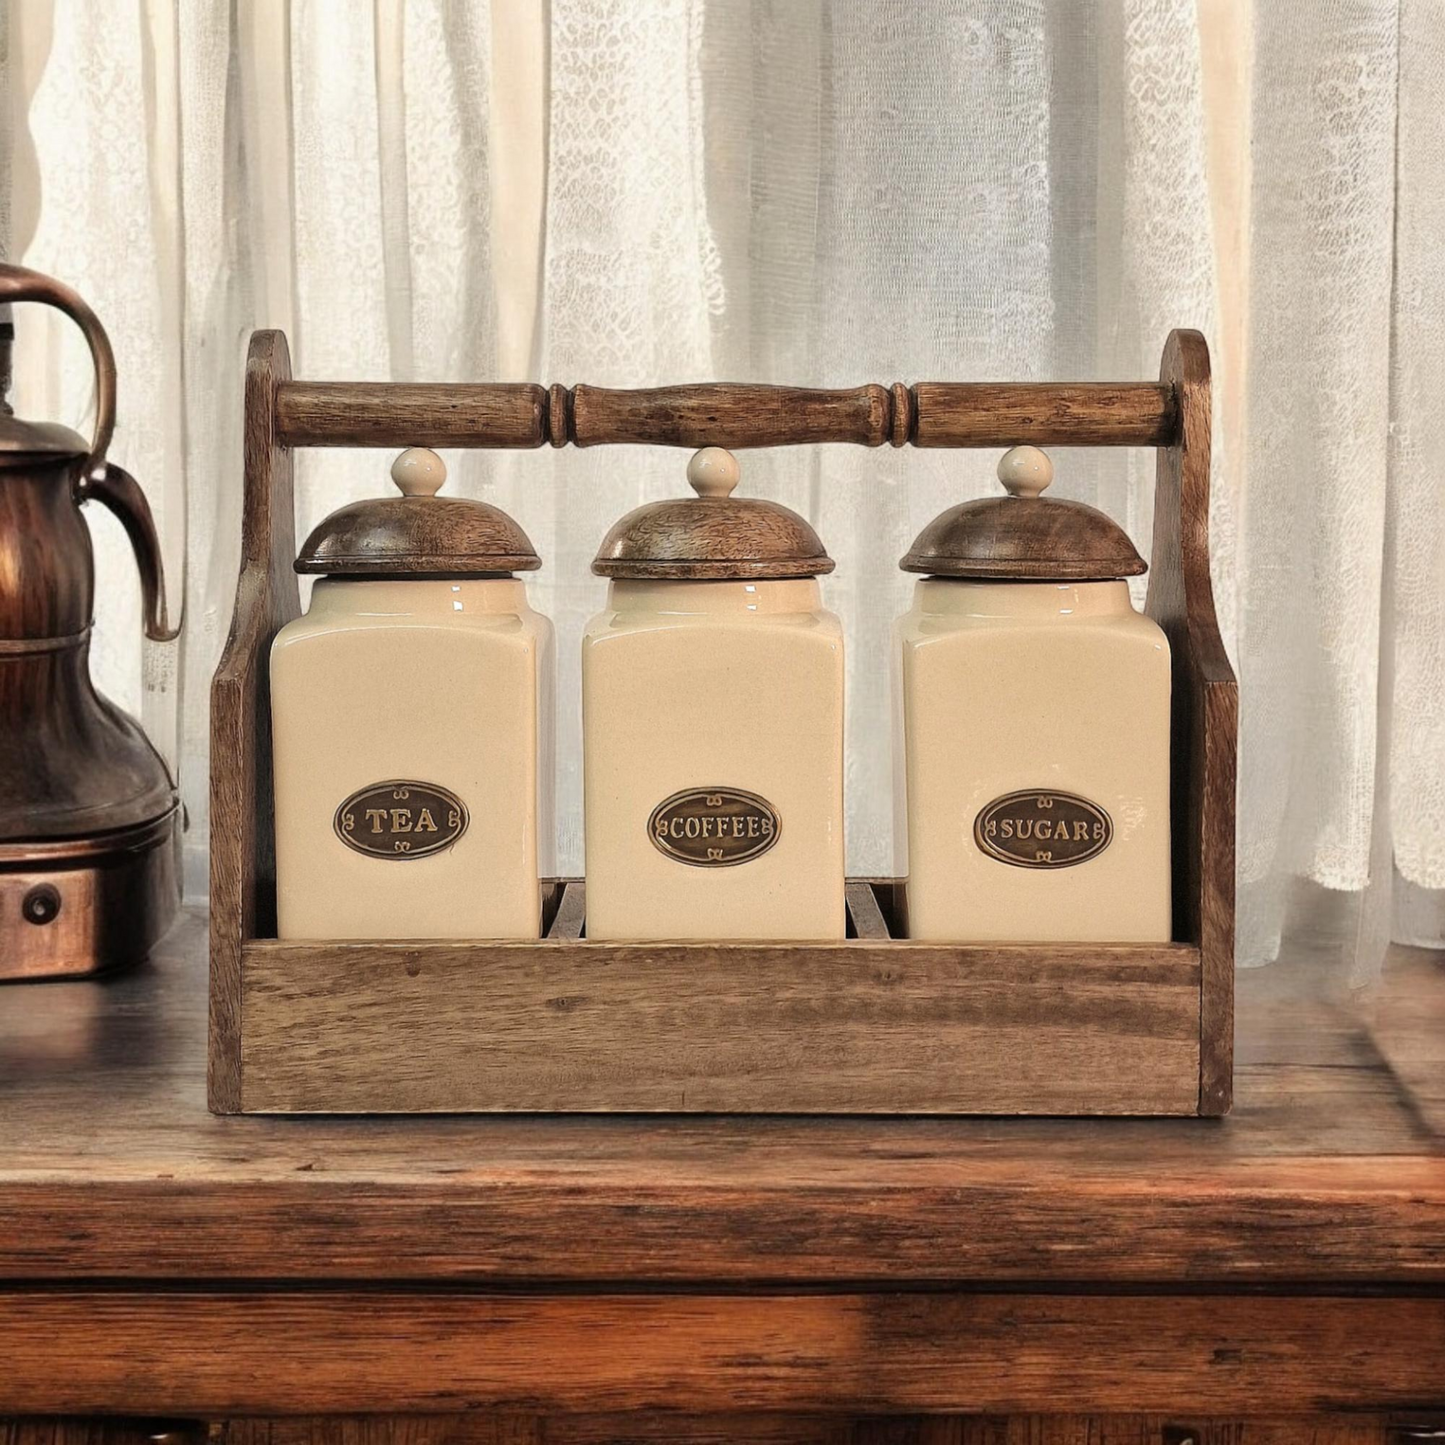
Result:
pixel 726 414
pixel 1082 414
pixel 399 414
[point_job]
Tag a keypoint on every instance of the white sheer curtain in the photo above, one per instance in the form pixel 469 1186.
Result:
pixel 824 193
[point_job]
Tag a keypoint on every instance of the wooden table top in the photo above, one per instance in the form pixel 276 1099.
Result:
pixel 1330 1171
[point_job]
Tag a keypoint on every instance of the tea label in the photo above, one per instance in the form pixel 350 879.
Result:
pixel 714 827
pixel 401 819
pixel 1042 828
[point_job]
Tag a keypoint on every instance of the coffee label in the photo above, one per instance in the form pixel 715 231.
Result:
pixel 714 827
pixel 1042 828
pixel 401 819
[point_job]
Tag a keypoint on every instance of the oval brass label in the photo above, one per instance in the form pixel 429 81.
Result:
pixel 714 827
pixel 1042 828
pixel 401 819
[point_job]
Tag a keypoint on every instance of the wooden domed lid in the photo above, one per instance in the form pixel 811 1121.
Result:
pixel 713 535
pixel 418 534
pixel 1022 537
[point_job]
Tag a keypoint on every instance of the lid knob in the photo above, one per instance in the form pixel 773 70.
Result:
pixel 419 472
pixel 713 472
pixel 1025 471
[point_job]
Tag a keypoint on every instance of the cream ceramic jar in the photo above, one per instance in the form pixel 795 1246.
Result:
pixel 1033 751
pixel 411 715
pixel 712 692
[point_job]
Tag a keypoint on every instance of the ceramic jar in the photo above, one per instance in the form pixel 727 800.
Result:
pixel 411 712
pixel 1034 741
pixel 712 690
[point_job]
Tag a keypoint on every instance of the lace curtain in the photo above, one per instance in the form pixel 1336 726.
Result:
pixel 810 192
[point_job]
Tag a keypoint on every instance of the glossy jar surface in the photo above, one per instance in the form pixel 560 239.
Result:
pixel 412 736
pixel 1033 763
pixel 713 727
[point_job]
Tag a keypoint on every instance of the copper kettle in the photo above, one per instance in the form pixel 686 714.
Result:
pixel 89 818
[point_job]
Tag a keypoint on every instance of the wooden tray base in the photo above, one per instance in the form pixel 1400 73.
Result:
pixel 869 1025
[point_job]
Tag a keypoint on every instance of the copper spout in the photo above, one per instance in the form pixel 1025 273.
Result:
pixel 115 488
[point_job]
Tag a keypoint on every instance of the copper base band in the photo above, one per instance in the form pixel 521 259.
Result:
pixel 78 906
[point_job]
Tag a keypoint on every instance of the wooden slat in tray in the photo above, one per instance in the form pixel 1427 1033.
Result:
pixel 857 1027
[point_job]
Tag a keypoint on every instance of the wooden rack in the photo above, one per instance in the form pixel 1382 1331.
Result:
pixel 872 1024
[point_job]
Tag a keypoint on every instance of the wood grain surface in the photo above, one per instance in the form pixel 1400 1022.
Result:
pixel 1405 1017
pixel 1016 539
pixel 246 1352
pixel 111 1169
pixel 848 1028
pixel 1204 708
pixel 396 414
pixel 393 536
pixel 717 538
pixel 243 866
pixel 726 414
pixel 1006 414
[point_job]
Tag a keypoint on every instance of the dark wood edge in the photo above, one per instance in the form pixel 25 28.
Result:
pixel 210 1353
pixel 730 414
pixel 932 1211
pixel 1166 963
pixel 1205 712
pixel 1075 414
pixel 242 845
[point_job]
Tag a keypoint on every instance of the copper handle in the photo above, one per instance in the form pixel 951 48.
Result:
pixel 108 484
pixel 19 283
